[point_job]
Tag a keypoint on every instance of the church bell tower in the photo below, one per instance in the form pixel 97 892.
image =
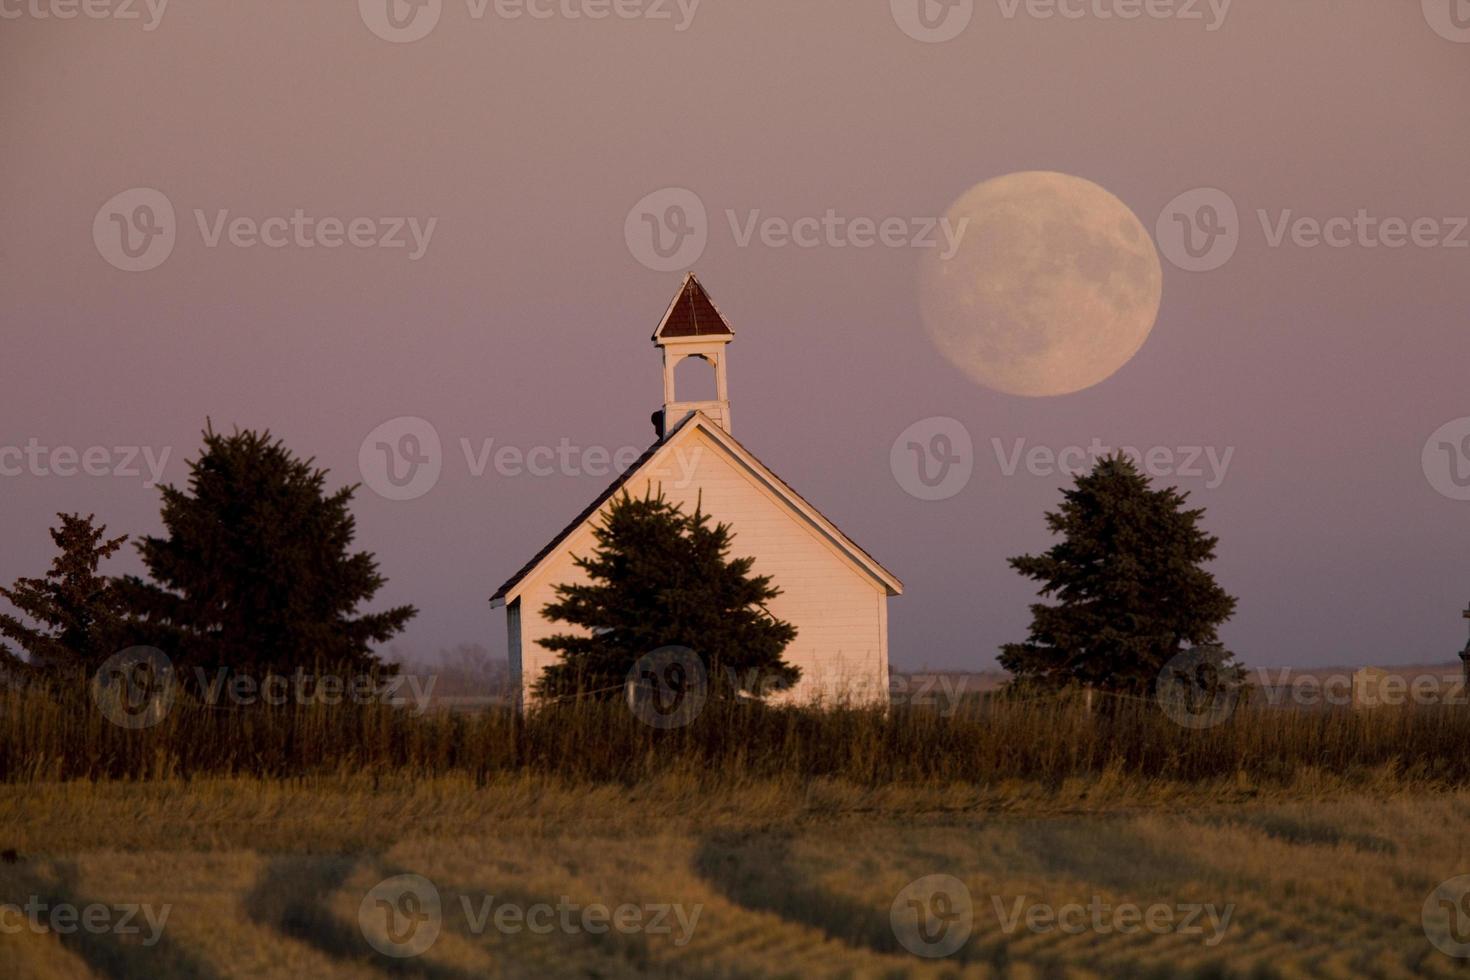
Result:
pixel 692 327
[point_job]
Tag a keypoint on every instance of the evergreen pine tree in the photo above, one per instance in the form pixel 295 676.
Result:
pixel 1131 593
pixel 79 617
pixel 661 578
pixel 255 574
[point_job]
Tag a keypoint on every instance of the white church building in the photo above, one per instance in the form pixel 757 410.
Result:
pixel 833 592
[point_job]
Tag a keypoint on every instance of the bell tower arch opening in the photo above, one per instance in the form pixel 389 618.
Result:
pixel 694 330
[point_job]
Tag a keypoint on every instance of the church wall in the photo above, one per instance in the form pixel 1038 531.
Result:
pixel 838 610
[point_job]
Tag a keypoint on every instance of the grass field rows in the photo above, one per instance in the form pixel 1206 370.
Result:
pixel 1331 891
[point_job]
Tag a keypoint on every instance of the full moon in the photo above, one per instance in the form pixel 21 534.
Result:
pixel 1054 286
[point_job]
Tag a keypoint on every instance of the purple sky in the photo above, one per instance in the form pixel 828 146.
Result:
pixel 527 318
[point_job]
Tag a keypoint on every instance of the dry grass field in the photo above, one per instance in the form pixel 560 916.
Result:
pixel 49 735
pixel 1004 838
pixel 773 880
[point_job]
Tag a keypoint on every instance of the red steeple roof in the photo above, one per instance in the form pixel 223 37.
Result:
pixel 692 314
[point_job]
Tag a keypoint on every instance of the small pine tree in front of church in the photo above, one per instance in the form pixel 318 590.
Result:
pixel 661 578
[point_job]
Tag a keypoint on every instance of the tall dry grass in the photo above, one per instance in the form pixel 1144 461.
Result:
pixel 58 733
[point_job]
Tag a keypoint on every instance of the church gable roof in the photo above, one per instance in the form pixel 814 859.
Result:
pixel 801 510
pixel 587 514
pixel 692 314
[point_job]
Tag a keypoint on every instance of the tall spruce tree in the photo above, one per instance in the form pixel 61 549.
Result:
pixel 1131 593
pixel 77 618
pixel 662 578
pixel 256 574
